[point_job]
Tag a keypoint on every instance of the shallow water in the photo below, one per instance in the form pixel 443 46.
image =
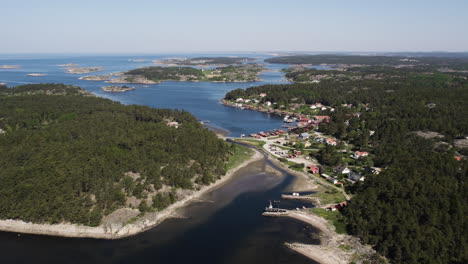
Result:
pixel 226 227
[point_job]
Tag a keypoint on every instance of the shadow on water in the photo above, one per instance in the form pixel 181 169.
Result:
pixel 227 227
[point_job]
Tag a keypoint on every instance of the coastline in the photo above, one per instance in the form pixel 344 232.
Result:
pixel 332 247
pixel 144 223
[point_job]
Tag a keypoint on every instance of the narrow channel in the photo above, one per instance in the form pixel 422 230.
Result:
pixel 225 226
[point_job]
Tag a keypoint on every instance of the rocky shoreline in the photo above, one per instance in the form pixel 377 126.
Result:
pixel 334 248
pixel 117 230
pixel 117 89
pixel 82 70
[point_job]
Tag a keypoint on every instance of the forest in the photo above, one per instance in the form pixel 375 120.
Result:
pixel 459 62
pixel 68 156
pixel 415 210
pixel 209 60
pixel 238 73
pixel 156 73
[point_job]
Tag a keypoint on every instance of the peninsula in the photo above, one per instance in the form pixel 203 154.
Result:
pixel 96 180
pixel 205 61
pixel 381 139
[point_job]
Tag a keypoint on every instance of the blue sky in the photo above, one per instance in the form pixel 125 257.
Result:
pixel 144 26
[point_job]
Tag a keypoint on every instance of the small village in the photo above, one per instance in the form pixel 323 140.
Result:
pixel 300 141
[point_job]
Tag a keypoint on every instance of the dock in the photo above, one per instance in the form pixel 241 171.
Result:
pixel 314 200
pixel 273 214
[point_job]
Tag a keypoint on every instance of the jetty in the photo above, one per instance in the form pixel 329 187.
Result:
pixel 272 211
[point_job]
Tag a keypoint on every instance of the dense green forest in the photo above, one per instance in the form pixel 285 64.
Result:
pixel 243 73
pixel 67 155
pixel 156 73
pixel 460 62
pixel 209 60
pixel 415 211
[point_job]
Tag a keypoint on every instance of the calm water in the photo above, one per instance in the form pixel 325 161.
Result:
pixel 199 98
pixel 226 228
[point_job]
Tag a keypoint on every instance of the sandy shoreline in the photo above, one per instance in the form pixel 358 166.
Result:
pixel 146 222
pixel 329 250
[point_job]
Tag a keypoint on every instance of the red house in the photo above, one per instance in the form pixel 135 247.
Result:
pixel 313 169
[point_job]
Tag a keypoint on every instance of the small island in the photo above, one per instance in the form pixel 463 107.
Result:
pixel 68 65
pixel 100 77
pixel 117 89
pixel 82 70
pixel 36 74
pixel 156 74
pixel 10 66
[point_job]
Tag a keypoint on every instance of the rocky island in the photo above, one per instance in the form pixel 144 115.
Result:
pixel 100 77
pixel 10 66
pixel 82 70
pixel 117 89
pixel 36 74
pixel 157 74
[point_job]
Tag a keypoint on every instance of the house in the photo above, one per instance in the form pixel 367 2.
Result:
pixel 173 124
pixel 315 106
pixel 458 158
pixel 267 103
pixel 372 170
pixel 322 118
pixel 304 136
pixel 359 154
pixel 338 206
pixel 319 140
pixel 315 81
pixel 342 170
pixel 239 100
pixel 330 141
pixel 332 180
pixel 313 169
pixel 341 205
pixel 263 95
pixel 354 176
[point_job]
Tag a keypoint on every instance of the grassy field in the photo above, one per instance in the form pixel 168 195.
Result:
pixel 329 196
pixel 333 217
pixel 240 155
pixel 253 142
pixel 291 165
